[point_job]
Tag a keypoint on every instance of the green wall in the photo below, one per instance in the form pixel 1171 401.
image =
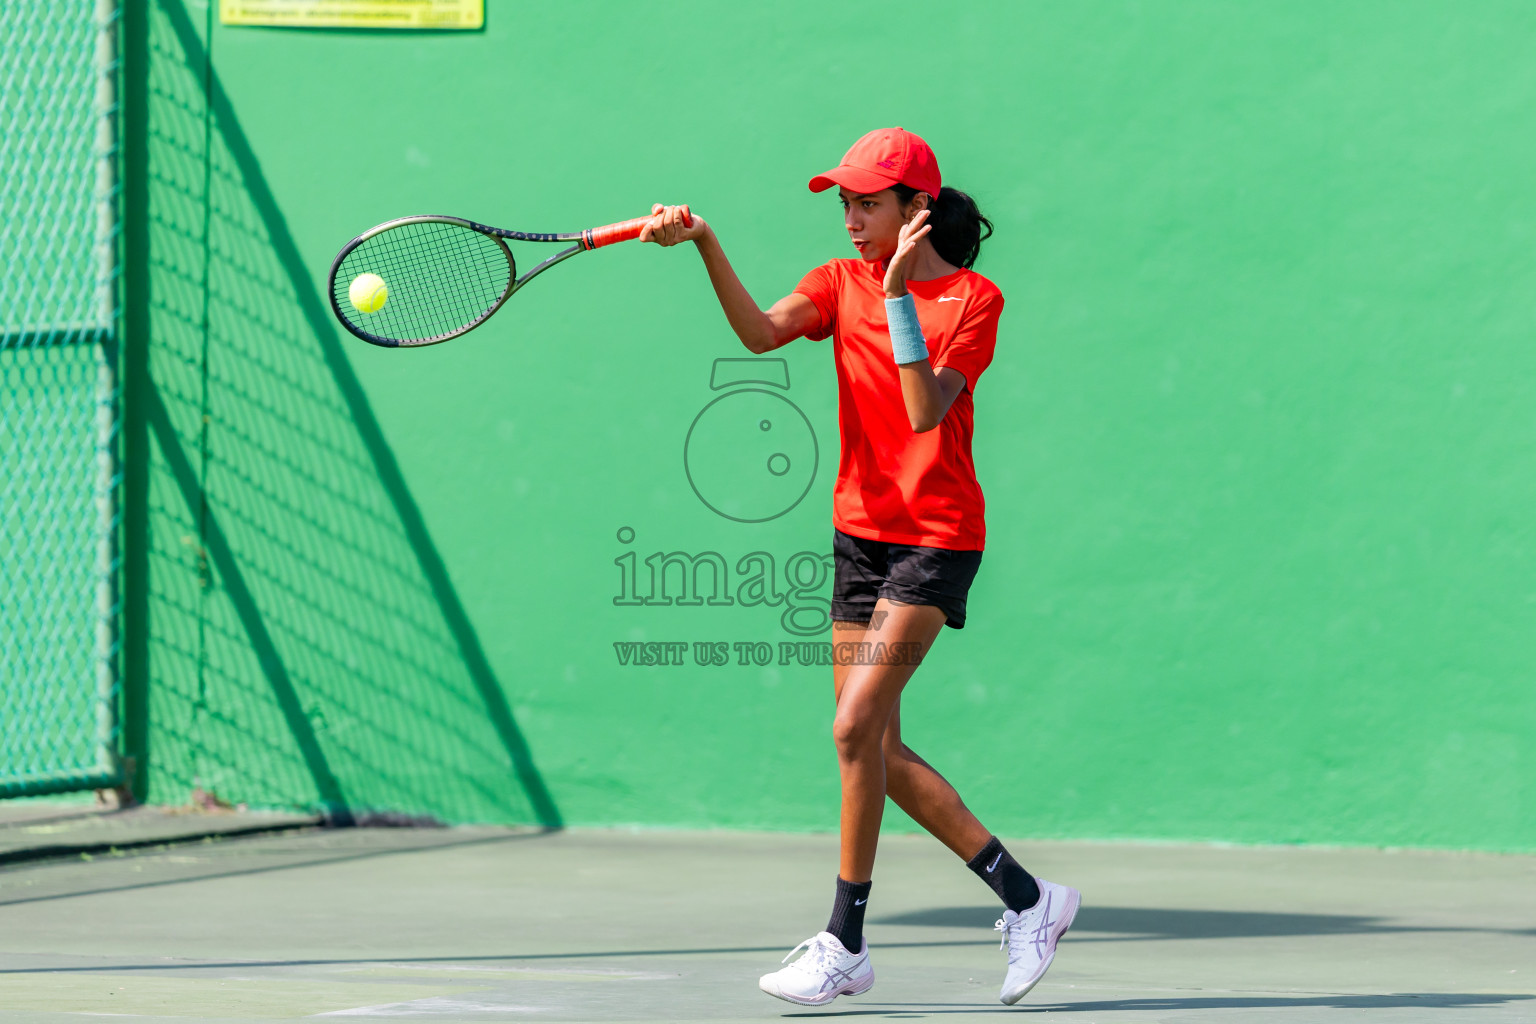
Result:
pixel 1257 444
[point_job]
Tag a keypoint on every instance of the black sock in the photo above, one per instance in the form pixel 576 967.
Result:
pixel 847 921
pixel 1013 885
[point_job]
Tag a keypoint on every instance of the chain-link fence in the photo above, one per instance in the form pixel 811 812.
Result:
pixel 305 645
pixel 58 395
pixel 302 642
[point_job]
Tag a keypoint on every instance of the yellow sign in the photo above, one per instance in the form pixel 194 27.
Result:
pixel 354 13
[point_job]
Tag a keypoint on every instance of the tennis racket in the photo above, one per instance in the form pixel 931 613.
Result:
pixel 421 280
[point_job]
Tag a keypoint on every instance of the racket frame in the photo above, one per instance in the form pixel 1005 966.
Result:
pixel 584 240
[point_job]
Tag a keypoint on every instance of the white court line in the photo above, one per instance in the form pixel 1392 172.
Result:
pixel 575 972
pixel 429 1007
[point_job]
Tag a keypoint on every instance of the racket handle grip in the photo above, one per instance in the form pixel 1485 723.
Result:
pixel 608 234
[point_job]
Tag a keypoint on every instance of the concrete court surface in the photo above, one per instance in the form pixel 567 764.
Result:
pixel 480 924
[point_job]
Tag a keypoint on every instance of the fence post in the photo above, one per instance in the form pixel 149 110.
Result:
pixel 133 349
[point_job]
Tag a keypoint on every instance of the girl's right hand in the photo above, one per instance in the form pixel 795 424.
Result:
pixel 906 247
pixel 671 225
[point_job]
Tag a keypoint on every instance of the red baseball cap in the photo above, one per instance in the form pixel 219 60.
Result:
pixel 884 157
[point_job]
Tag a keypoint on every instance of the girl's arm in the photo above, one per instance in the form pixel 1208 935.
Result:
pixel 789 318
pixel 927 395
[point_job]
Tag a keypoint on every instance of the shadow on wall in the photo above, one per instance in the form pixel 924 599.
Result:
pixel 307 648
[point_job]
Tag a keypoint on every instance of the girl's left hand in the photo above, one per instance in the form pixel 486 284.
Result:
pixel 906 245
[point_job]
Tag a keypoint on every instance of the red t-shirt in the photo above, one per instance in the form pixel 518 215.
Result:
pixel 892 484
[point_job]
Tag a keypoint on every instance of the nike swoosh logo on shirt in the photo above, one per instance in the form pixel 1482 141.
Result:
pixel 860 903
pixel 952 298
pixel 993 866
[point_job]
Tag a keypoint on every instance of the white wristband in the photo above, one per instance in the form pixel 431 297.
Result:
pixel 907 343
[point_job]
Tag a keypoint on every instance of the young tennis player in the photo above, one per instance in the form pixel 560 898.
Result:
pixel 913 327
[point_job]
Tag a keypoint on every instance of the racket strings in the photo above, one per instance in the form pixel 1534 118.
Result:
pixel 442 279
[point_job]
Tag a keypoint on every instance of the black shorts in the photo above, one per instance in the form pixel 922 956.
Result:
pixel 865 570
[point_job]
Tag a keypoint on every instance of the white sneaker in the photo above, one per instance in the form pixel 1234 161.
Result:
pixel 826 971
pixel 1031 937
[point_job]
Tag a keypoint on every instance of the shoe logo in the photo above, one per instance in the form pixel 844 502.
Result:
pixel 860 903
pixel 1041 937
pixel 993 866
pixel 952 298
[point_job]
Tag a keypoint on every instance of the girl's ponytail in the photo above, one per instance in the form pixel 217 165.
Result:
pixel 958 225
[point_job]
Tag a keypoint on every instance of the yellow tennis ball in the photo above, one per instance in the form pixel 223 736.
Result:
pixel 368 293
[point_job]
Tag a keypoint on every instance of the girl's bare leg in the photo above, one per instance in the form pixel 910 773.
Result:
pixel 928 798
pixel 875 697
